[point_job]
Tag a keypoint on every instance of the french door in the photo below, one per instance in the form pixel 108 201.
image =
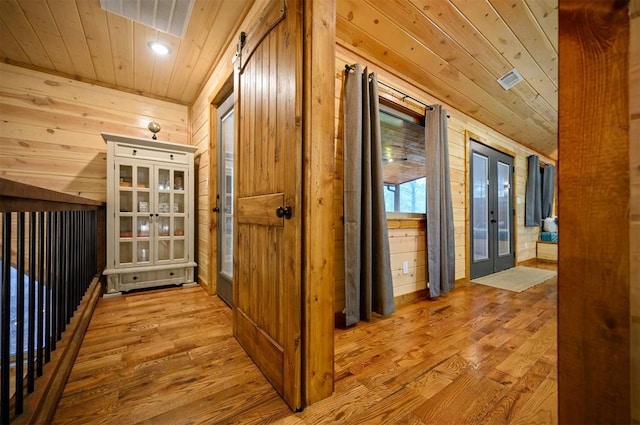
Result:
pixel 224 200
pixel 491 210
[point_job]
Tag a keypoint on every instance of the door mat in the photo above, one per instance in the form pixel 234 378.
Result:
pixel 516 279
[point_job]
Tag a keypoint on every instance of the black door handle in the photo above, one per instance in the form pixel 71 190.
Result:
pixel 215 209
pixel 494 221
pixel 285 212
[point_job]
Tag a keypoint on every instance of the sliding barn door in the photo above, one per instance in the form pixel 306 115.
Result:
pixel 267 261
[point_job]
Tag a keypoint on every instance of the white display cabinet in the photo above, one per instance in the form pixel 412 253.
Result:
pixel 150 214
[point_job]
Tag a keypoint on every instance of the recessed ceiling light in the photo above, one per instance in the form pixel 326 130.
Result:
pixel 159 48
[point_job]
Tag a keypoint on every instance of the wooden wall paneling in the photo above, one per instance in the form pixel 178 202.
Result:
pixel 485 19
pixel 120 31
pixel 50 131
pixel 47 30
pixel 70 26
pixel 94 23
pixel 85 100
pixel 634 235
pixel 10 12
pixel 594 273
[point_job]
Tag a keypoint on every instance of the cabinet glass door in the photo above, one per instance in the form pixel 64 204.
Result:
pixel 132 214
pixel 171 217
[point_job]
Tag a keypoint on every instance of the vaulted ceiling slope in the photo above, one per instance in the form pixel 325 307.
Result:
pixel 453 49
pixel 457 49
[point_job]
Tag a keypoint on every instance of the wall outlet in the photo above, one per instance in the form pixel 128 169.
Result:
pixel 405 267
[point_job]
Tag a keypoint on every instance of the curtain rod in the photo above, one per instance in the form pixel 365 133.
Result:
pixel 348 67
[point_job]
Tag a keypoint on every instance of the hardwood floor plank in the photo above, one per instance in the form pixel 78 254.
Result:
pixel 167 356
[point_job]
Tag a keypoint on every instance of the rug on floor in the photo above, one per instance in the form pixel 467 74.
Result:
pixel 516 279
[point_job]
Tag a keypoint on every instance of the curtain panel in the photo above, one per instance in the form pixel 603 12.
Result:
pixel 548 189
pixel 440 240
pixel 533 193
pixel 368 280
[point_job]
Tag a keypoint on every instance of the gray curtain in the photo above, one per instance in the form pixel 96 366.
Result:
pixel 533 194
pixel 368 281
pixel 548 188
pixel 440 243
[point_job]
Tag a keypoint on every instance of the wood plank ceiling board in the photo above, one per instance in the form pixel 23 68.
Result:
pixel 444 15
pixel 22 30
pixel 498 33
pixel 10 48
pixel 546 13
pixel 517 15
pixel 418 55
pixel 422 28
pixel 212 48
pixel 144 58
pixel 67 19
pixel 121 36
pixel 47 30
pixel 203 16
pixel 442 50
pixel 94 22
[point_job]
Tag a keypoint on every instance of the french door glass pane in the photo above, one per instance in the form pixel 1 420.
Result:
pixel 226 200
pixel 480 219
pixel 504 218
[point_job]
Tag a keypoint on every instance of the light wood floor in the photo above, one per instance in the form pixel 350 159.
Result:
pixel 479 355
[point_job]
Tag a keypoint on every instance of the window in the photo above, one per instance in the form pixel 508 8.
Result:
pixel 402 133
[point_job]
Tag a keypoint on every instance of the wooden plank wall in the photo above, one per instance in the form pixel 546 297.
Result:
pixel 594 273
pixel 634 167
pixel 458 123
pixel 203 136
pixel 50 129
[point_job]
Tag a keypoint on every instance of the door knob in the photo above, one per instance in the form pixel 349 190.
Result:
pixel 284 212
pixel 215 209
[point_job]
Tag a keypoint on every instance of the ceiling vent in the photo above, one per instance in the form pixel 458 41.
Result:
pixel 170 16
pixel 510 79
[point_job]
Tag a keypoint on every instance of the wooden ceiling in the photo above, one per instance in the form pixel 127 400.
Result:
pixel 80 40
pixel 457 49
pixel 453 49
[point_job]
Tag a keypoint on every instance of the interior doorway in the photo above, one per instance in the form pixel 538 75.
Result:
pixel 491 212
pixel 224 200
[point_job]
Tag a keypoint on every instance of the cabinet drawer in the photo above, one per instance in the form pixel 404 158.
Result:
pixel 129 151
pixel 154 275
